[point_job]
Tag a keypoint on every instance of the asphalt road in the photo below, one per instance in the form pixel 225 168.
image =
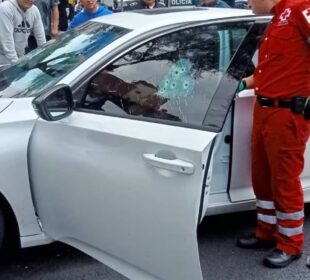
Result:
pixel 220 258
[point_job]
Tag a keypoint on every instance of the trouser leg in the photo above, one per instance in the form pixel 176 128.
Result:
pixel 285 139
pixel 261 179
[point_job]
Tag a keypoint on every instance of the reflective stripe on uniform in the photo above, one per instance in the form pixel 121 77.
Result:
pixel 294 216
pixel 290 231
pixel 264 204
pixel 267 219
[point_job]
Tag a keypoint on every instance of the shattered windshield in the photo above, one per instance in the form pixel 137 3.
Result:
pixel 48 64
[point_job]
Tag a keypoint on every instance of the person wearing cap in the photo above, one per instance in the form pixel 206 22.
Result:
pixel 280 130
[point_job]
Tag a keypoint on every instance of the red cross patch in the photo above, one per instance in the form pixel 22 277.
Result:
pixel 306 14
pixel 285 15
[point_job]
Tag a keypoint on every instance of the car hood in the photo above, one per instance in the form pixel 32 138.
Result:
pixel 5 103
pixel 16 110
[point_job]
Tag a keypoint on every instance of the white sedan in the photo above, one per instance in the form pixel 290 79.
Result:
pixel 140 136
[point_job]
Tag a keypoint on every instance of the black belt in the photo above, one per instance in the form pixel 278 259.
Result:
pixel 307 109
pixel 268 102
pixel 298 104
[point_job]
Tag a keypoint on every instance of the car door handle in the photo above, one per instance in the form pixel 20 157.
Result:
pixel 176 165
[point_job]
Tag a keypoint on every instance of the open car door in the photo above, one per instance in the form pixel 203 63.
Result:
pixel 125 192
pixel 240 181
pixel 126 176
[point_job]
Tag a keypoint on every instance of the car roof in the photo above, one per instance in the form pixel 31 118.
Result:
pixel 155 18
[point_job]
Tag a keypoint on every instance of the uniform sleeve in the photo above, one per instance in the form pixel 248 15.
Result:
pixel 302 19
pixel 38 29
pixel 7 43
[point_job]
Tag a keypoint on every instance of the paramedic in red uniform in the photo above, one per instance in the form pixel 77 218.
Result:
pixel 280 131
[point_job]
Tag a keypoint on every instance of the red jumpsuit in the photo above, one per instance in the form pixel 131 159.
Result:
pixel 279 135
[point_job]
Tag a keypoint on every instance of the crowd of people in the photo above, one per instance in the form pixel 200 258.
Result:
pixel 26 24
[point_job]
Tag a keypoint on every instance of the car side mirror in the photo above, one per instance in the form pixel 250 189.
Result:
pixel 55 104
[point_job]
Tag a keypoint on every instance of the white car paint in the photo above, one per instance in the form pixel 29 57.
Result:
pixel 19 127
pixel 16 123
pixel 4 103
pixel 98 144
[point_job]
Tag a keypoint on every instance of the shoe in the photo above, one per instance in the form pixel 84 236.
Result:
pixel 252 242
pixel 279 259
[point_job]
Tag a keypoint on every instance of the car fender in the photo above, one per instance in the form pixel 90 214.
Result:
pixel 16 123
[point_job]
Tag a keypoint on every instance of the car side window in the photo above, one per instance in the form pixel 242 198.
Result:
pixel 173 77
